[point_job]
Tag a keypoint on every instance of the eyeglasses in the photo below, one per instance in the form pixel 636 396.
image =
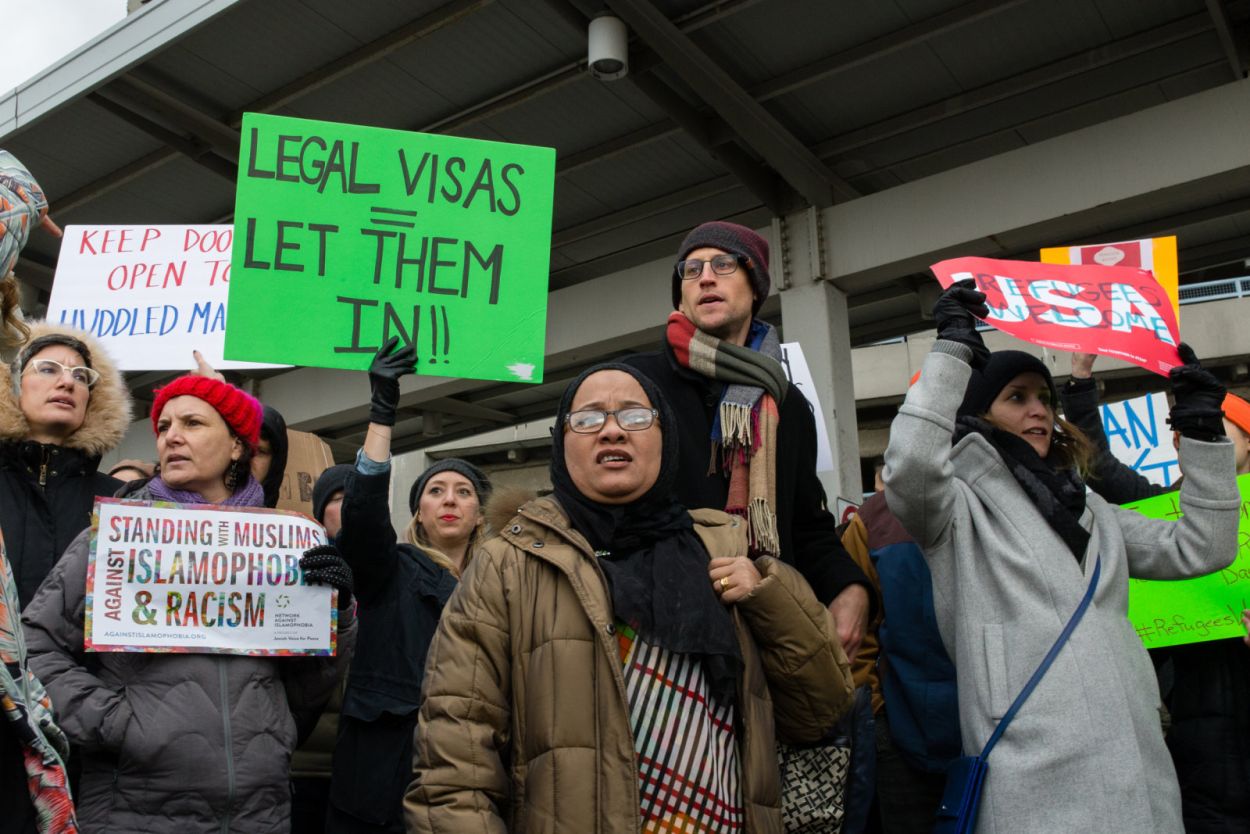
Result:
pixel 692 268
pixel 591 420
pixel 53 369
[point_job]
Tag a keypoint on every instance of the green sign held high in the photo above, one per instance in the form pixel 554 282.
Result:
pixel 1169 613
pixel 348 235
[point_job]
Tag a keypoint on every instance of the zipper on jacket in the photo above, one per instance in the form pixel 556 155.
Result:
pixel 43 468
pixel 225 723
pixel 618 673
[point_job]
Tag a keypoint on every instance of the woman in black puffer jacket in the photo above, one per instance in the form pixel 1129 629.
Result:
pixel 63 404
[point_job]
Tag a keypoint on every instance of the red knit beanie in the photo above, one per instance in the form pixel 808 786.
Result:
pixel 240 410
pixel 736 240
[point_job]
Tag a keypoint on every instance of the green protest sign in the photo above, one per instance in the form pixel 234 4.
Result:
pixel 1170 613
pixel 348 235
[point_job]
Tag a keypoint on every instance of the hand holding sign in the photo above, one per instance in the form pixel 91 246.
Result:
pixel 953 314
pixel 387 367
pixel 1109 310
pixel 1199 398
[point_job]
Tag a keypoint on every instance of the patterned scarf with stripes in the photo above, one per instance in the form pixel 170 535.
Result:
pixel 744 433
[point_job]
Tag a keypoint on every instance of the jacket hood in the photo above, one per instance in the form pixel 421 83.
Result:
pixel 273 429
pixel 504 504
pixel 108 409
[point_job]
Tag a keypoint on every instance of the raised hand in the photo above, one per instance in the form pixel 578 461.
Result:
pixel 387 367
pixel 955 314
pixel 1198 397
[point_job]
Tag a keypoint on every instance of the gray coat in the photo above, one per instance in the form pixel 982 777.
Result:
pixel 183 743
pixel 1086 751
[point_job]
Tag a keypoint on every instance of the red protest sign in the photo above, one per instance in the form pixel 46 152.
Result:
pixel 1114 311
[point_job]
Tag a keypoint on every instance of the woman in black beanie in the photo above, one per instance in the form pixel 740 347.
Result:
pixel 989 481
pixel 401 588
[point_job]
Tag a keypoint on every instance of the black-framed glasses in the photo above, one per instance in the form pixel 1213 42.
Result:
pixel 692 268
pixel 590 420
pixel 52 369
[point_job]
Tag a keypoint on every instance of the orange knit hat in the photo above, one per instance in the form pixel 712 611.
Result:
pixel 1237 411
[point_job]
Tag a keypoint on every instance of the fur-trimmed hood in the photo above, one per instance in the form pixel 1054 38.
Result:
pixel 503 505
pixel 108 409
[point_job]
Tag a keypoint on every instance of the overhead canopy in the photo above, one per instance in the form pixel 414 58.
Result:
pixel 876 113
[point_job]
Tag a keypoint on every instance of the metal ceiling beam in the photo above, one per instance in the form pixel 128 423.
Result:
pixel 553 79
pixel 189 148
pixel 765 135
pixel 224 140
pixel 910 35
pixel 1016 85
pixel 1224 31
pixel 804 76
pixel 303 85
pixel 372 51
pixel 830 149
pixel 459 408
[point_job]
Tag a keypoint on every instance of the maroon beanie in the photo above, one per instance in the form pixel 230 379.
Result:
pixel 240 410
pixel 736 240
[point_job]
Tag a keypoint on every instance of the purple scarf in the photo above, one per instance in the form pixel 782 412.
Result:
pixel 252 494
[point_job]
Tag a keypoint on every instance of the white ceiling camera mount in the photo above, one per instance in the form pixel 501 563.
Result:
pixel 607 48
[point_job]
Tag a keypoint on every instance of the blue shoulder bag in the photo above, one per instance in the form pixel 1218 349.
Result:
pixel 961 798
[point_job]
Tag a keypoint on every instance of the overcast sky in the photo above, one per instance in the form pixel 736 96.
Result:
pixel 38 33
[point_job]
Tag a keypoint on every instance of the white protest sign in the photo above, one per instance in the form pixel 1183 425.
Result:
pixel 1140 438
pixel 151 294
pixel 165 577
pixel 795 365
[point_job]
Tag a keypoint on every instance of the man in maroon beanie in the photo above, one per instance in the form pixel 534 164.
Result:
pixel 720 370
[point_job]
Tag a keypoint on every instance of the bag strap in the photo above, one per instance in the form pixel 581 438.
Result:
pixel 1046 661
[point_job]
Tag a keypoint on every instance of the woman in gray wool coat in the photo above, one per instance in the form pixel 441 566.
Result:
pixel 1012 538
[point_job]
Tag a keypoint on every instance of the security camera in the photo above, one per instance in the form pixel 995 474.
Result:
pixel 607 48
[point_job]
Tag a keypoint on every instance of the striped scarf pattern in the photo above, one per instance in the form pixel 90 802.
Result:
pixel 744 433
pixel 24 704
pixel 689 779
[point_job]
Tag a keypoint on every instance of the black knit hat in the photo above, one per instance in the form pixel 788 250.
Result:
pixel 736 240
pixel 1002 368
pixel 331 481
pixel 481 483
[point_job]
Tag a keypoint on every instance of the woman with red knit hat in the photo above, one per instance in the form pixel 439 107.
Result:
pixel 156 729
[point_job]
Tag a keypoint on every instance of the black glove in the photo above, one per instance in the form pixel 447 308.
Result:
pixel 387 367
pixel 1198 399
pixel 956 314
pixel 323 565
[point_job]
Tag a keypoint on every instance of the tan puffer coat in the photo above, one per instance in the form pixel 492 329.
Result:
pixel 525 725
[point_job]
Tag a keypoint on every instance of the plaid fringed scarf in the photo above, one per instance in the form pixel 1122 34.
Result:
pixel 744 432
pixel 25 706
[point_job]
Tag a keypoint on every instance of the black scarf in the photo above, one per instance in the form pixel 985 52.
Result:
pixel 1058 494
pixel 656 566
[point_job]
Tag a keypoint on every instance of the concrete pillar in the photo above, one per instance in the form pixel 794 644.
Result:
pixel 814 314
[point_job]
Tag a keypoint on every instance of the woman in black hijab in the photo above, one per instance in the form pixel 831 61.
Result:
pixel 614 644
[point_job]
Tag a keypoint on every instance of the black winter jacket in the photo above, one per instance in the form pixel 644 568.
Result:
pixel 400 596
pixel 1209 697
pixel 46 496
pixel 808 531
pixel 47 492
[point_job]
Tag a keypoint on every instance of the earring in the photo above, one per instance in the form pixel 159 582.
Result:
pixel 232 476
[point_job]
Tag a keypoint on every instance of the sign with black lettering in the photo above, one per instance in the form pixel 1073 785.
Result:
pixel 164 577
pixel 346 236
